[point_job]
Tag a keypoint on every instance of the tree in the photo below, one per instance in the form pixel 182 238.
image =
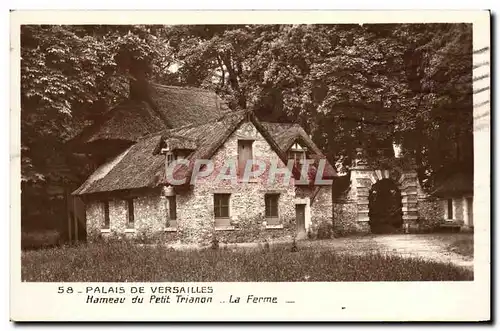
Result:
pixel 348 85
pixel 69 76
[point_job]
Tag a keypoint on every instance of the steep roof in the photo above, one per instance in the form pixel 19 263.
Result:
pixel 181 106
pixel 160 108
pixel 128 121
pixel 136 167
pixel 142 166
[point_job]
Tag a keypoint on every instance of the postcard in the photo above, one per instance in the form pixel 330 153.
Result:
pixel 250 166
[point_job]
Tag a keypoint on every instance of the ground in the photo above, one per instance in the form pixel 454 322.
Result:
pixel 368 258
pixel 454 248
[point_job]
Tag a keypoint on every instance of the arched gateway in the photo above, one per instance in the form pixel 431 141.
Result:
pixel 362 180
pixel 352 203
pixel 385 207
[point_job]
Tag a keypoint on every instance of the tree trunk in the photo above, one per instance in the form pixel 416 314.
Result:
pixel 233 80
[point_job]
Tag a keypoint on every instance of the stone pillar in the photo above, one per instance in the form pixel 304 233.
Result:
pixel 361 184
pixel 409 199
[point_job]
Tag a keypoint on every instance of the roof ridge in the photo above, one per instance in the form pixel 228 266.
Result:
pixel 281 123
pixel 188 126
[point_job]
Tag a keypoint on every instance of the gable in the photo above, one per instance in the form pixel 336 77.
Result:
pixel 143 165
pixel 215 135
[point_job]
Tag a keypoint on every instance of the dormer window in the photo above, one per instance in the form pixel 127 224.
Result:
pixel 170 158
pixel 182 153
pixel 297 153
pixel 176 154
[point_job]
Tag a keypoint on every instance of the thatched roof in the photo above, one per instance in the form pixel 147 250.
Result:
pixel 136 167
pixel 127 121
pixel 142 165
pixel 160 108
pixel 182 106
pixel 456 184
pixel 180 142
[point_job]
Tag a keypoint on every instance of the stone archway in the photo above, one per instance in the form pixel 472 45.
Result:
pixel 362 180
pixel 385 207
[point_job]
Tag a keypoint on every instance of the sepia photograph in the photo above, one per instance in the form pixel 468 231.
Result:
pixel 247 152
pixel 169 161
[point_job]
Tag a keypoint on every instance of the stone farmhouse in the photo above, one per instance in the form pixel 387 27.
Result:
pixel 130 195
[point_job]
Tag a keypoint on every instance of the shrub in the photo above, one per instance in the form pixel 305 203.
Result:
pixel 215 243
pixel 40 239
pixel 325 230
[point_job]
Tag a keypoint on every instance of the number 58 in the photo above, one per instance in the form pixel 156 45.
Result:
pixel 61 289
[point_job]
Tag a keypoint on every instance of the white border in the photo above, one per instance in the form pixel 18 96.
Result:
pixel 388 301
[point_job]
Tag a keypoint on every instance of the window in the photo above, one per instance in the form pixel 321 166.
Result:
pixel 272 217
pixel 297 153
pixel 297 156
pixel 450 209
pixel 170 158
pixel 106 215
pixel 172 212
pixel 244 154
pixel 221 209
pixel 130 207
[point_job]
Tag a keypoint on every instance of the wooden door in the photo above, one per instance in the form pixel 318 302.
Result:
pixel 300 218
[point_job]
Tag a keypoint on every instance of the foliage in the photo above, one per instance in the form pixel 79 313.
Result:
pixel 348 85
pixel 69 76
pixel 119 262
pixel 39 239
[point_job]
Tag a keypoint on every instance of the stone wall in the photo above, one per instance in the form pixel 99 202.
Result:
pixel 430 212
pixel 345 219
pixel 321 210
pixel 247 200
pixel 362 179
pixel 345 213
pixel 149 218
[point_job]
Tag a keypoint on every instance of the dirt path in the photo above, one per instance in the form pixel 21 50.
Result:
pixel 412 245
pixel 425 247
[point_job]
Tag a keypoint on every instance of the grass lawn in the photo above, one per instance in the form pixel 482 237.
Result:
pixel 122 262
pixel 460 243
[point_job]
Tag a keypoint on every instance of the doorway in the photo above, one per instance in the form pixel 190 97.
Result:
pixel 385 207
pixel 300 218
